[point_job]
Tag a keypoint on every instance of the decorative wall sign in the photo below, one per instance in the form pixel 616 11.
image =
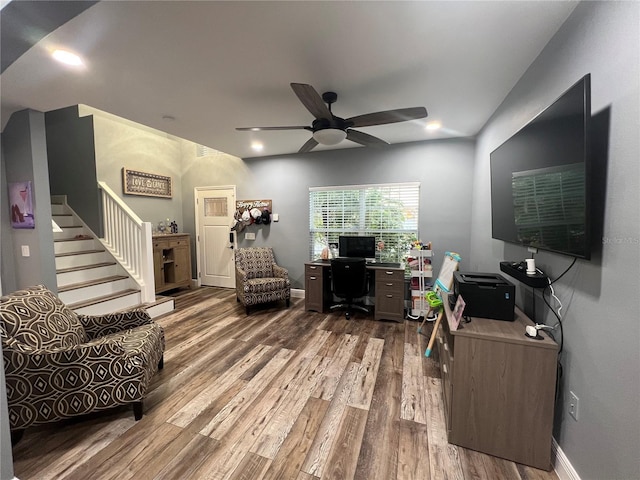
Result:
pixel 146 184
pixel 21 205
pixel 243 205
pixel 251 212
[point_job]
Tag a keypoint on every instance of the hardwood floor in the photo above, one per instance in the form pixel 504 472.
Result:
pixel 280 394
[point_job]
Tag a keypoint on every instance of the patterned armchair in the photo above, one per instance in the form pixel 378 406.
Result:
pixel 59 364
pixel 259 279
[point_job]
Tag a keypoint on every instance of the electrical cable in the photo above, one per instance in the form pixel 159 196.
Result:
pixel 568 268
pixel 558 317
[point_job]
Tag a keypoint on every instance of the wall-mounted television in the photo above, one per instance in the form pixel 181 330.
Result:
pixel 541 177
pixel 357 246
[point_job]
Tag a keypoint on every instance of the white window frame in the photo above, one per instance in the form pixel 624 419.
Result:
pixel 354 211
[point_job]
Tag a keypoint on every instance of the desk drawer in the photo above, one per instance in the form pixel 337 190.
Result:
pixel 315 285
pixel 384 275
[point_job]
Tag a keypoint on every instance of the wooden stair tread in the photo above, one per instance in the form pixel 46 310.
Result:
pixel 103 299
pixel 79 252
pixel 85 267
pixel 89 283
pixel 73 239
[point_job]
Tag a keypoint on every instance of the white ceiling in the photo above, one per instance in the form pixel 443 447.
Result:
pixel 214 66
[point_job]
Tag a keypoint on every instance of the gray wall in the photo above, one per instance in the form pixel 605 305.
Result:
pixel 72 165
pixel 444 169
pixel 25 159
pixel 122 144
pixel 601 356
pixel 7 284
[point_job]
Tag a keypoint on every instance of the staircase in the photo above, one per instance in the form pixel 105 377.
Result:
pixel 90 279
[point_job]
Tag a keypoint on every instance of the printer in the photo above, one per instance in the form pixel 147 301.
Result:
pixel 487 295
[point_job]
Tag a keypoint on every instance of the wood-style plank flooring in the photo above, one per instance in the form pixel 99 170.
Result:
pixel 280 394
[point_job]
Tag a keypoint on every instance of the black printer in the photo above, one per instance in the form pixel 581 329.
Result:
pixel 486 295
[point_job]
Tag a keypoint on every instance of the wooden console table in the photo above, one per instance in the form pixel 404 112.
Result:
pixel 499 388
pixel 388 283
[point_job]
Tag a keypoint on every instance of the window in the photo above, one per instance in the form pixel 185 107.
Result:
pixel 388 211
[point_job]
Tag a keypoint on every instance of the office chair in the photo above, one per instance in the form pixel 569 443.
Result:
pixel 349 280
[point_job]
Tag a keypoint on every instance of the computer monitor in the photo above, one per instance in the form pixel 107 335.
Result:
pixel 350 246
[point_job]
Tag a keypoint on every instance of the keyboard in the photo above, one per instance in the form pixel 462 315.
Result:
pixel 384 264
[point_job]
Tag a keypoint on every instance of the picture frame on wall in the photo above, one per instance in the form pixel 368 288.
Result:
pixel 21 203
pixel 146 184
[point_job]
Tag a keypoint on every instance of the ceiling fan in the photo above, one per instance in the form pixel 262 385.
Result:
pixel 327 129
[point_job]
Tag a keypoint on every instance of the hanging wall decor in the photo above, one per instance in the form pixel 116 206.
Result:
pixel 21 205
pixel 146 184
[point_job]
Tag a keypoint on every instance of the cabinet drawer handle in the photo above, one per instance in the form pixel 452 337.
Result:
pixel 312 278
pixel 389 284
pixel 312 268
pixel 389 296
pixel 389 273
pixel 444 368
pixel 446 347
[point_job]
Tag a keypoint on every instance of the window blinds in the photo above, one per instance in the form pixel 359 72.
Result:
pixel 389 212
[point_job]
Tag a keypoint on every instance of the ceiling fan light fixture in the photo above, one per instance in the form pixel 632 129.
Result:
pixel 329 136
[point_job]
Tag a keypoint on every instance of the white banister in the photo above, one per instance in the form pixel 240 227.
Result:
pixel 129 240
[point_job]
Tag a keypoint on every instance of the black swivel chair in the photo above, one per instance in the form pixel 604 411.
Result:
pixel 349 280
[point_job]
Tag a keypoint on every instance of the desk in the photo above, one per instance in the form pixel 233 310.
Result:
pixel 388 283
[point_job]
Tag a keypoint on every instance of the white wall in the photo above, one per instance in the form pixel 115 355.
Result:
pixel 601 357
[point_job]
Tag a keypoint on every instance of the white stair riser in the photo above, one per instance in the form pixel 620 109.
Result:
pixel 70 233
pixel 88 274
pixel 110 306
pixel 65 221
pixel 58 209
pixel 76 246
pixel 160 309
pixel 94 291
pixel 82 260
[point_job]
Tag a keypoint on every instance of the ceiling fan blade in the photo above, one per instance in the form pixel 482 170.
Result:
pixel 388 116
pixel 244 129
pixel 365 139
pixel 312 100
pixel 308 146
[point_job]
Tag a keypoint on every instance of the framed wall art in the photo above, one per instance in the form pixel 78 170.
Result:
pixel 21 202
pixel 145 184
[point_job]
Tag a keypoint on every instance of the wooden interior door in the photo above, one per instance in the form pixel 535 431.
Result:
pixel 215 242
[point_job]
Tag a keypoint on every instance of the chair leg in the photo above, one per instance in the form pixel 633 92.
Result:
pixel 137 410
pixel 246 309
pixel 288 302
pixel 16 436
pixel 161 363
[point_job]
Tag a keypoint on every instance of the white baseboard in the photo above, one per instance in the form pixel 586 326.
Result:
pixel 561 463
pixel 297 293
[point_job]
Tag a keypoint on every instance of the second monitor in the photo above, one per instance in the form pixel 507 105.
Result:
pixel 352 246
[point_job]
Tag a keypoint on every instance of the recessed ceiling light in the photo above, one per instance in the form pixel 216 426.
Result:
pixel 67 58
pixel 257 146
pixel 433 125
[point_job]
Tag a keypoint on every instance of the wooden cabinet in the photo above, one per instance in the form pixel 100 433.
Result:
pixel 171 261
pixel 499 387
pixel 316 287
pixel 389 298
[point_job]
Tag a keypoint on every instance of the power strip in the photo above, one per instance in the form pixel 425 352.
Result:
pixel 537 280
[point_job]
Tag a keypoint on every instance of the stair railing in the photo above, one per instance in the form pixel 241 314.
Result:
pixel 129 240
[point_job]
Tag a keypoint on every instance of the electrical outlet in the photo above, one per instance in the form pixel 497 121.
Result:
pixel 249 236
pixel 573 405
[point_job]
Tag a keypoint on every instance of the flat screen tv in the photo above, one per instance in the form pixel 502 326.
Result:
pixel 541 177
pixel 352 246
